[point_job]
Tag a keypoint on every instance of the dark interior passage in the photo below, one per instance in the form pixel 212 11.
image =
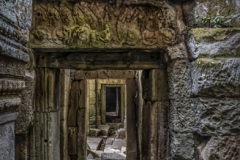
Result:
pixel 113 104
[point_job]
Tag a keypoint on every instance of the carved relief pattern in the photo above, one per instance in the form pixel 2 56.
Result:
pixel 9 102
pixel 102 25
pixel 9 86
pixel 11 68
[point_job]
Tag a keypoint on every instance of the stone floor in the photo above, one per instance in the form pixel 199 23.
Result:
pixel 106 148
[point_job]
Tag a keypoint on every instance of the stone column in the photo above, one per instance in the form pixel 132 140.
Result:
pixel 155 138
pixel 132 151
pixel 65 93
pixel 47 114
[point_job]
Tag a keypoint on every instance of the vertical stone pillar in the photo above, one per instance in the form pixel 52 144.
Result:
pixel 132 151
pixel 47 114
pixel 65 92
pixel 78 120
pixel 81 120
pixel 155 142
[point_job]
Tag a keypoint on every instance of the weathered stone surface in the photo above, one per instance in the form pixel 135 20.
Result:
pixel 7 136
pixel 104 129
pixel 9 103
pixel 132 151
pixel 72 141
pixel 65 92
pixel 219 116
pixel 102 25
pixel 94 61
pixel 179 79
pixel 178 51
pixel 182 146
pixel 155 86
pixel 21 146
pixel 93 142
pixel 7 10
pixel 7 147
pixel 227 11
pixel 11 68
pixel 214 42
pixel 46 136
pixel 226 147
pixel 82 133
pixel 25 109
pixel 74 104
pixel 183 115
pixel 207 116
pixel 112 156
pixel 102 74
pixel 94 132
pixel 163 144
pixel 216 77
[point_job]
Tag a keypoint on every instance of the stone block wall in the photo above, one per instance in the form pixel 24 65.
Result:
pixel 203 94
pixel 204 85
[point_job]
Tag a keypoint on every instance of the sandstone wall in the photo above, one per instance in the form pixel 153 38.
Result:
pixel 202 69
pixel 16 77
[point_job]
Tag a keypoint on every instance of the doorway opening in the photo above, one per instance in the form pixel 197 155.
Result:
pixel 106 107
pixel 113 104
pixel 76 124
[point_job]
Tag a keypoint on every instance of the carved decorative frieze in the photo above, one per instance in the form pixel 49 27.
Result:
pixel 12 49
pixel 11 86
pixel 11 68
pixel 102 25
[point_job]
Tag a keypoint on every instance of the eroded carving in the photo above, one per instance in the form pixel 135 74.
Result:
pixel 11 68
pixel 9 102
pixel 8 85
pixel 102 25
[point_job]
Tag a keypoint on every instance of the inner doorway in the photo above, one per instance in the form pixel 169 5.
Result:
pixel 106 101
pixel 74 128
pixel 113 104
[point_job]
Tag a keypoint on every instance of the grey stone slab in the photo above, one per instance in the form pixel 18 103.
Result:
pixel 226 147
pixel 179 79
pixel 216 77
pixel 183 114
pixel 93 142
pixel 94 132
pixel 182 146
pixel 7 141
pixel 118 144
pixel 104 129
pixel 109 141
pixel 112 156
pixel 8 118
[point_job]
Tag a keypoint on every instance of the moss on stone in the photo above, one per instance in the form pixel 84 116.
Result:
pixel 208 62
pixel 217 34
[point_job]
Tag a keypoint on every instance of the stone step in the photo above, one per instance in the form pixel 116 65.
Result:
pixel 94 132
pixel 104 129
pixel 93 142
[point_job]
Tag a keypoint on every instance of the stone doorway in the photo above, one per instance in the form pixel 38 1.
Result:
pixel 59 129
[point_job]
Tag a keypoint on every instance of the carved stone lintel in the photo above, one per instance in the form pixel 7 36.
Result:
pixel 102 25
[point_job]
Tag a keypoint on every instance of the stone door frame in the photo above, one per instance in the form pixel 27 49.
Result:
pixel 52 62
pixel 103 100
